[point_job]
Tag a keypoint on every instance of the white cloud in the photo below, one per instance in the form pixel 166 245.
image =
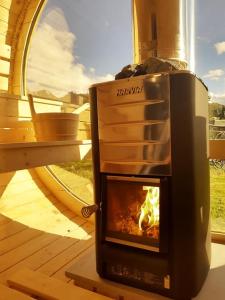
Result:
pixel 92 70
pixel 220 47
pixel 214 74
pixel 52 65
pixel 218 98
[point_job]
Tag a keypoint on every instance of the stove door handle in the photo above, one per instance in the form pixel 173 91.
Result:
pixel 88 210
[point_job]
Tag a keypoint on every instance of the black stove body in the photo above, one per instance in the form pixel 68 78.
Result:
pixel 151 180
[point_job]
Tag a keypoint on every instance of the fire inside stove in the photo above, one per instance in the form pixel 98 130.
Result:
pixel 133 213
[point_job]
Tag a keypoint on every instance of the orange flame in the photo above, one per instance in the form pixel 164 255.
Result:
pixel 149 216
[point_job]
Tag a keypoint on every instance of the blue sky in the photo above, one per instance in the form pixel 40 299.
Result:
pixel 103 31
pixel 210 30
pixel 94 41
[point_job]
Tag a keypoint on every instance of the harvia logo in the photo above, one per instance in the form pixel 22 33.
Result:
pixel 129 91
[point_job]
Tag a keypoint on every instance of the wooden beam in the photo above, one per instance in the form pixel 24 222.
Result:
pixel 18 156
pixel 41 285
pixel 7 293
pixel 217 149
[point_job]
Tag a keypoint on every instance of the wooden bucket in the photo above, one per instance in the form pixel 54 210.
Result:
pixel 54 126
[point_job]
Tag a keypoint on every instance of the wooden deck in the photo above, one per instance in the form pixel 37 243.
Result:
pixel 37 231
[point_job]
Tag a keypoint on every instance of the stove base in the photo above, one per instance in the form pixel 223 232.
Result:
pixel 84 275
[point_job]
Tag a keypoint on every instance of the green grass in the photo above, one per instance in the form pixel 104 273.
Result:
pixel 217 196
pixel 82 168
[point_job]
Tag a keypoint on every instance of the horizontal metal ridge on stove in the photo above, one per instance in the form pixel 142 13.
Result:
pixel 141 162
pixel 133 143
pixel 133 103
pixel 142 122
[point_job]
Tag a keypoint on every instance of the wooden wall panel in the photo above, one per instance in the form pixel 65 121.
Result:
pixel 15 110
pixel 5 50
pixel 4 82
pixel 4 14
pixel 5 3
pixel 4 67
pixel 2 40
pixel 14 135
pixel 3 28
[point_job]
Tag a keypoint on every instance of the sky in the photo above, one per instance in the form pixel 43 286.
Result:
pixel 210 46
pixel 80 42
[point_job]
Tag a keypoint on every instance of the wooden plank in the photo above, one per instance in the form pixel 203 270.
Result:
pixel 8 203
pixel 10 106
pixel 8 135
pixel 61 273
pixel 57 266
pixel 217 149
pixel 45 255
pixel 11 242
pixel 25 195
pixel 13 257
pixel 3 31
pixel 4 82
pixel 14 206
pixel 7 123
pixel 25 186
pixel 83 134
pixel 44 144
pixel 6 3
pixel 29 155
pixel 4 14
pixel 10 228
pixel 85 116
pixel 84 125
pixel 49 288
pixel 18 177
pixel 53 221
pixel 4 67
pixel 10 294
pixel 4 220
pixel 2 39
pixel 5 120
pixel 5 178
pixel 16 7
pixel 16 89
pixel 35 204
pixel 31 11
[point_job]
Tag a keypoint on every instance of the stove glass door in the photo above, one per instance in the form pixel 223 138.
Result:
pixel 133 211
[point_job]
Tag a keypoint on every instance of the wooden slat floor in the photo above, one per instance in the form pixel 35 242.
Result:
pixel 37 231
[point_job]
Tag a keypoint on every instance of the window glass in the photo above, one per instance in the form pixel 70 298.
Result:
pixel 78 43
pixel 75 44
pixel 210 66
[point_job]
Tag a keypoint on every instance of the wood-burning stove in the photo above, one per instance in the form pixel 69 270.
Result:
pixel 152 182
